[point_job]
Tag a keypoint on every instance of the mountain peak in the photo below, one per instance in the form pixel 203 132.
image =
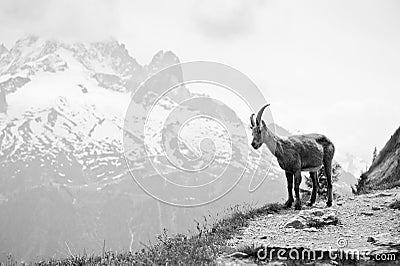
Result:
pixel 162 60
pixel 165 55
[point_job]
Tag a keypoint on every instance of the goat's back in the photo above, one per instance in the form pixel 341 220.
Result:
pixel 327 145
pixel 329 148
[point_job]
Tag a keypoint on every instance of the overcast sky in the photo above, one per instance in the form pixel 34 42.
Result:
pixel 325 66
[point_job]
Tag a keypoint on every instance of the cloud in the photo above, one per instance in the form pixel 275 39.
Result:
pixel 63 19
pixel 225 19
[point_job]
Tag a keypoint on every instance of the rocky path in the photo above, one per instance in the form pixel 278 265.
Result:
pixel 364 223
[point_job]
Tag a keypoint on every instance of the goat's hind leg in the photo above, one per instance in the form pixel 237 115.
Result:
pixel 313 176
pixel 328 173
pixel 297 182
pixel 289 179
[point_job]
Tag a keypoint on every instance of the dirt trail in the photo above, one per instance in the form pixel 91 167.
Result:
pixel 366 223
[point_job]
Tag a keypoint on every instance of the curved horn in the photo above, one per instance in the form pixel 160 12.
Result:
pixel 252 120
pixel 258 119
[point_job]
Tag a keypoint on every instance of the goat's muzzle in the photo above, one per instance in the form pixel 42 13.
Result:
pixel 256 145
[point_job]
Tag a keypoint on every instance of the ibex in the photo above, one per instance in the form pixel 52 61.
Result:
pixel 295 154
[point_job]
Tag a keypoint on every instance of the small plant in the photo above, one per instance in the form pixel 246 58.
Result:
pixel 374 155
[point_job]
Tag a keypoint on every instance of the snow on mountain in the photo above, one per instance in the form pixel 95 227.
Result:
pixel 57 93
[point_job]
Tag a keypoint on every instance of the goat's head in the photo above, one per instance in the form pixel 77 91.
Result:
pixel 257 128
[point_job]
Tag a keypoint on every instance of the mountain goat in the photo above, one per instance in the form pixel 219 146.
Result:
pixel 295 154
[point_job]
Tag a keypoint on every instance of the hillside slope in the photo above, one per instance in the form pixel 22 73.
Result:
pixel 385 170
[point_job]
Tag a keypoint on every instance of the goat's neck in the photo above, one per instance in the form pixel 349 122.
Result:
pixel 272 141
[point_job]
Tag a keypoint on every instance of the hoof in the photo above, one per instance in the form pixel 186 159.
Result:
pixel 288 204
pixel 297 207
pixel 329 204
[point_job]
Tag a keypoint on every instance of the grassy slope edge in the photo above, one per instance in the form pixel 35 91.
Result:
pixel 202 248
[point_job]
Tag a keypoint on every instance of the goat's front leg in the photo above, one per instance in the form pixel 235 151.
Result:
pixel 297 182
pixel 289 179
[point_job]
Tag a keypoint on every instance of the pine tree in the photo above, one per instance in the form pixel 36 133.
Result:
pixel 374 155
